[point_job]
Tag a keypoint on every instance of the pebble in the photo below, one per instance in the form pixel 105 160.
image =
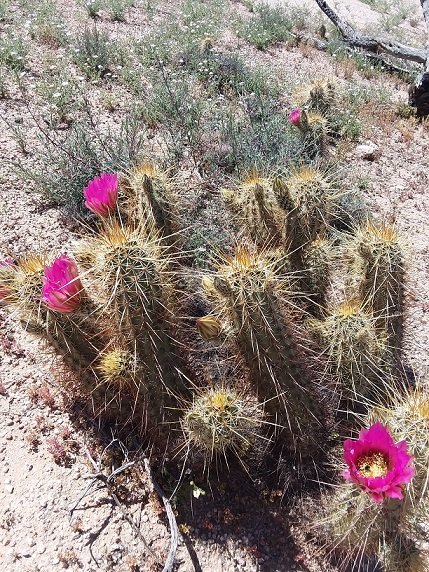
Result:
pixel 40 548
pixel 368 150
pixel 9 488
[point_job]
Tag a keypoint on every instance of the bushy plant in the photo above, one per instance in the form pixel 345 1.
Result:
pixel 93 53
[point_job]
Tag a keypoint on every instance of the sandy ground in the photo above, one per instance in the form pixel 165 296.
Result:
pixel 38 531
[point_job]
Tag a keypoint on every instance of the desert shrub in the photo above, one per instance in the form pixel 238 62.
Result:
pixel 118 8
pixel 4 5
pixel 13 52
pixel 93 53
pixel 47 25
pixel 271 24
pixel 68 160
pixel 92 7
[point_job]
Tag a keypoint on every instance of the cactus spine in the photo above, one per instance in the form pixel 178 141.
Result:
pixel 354 351
pixel 254 205
pixel 222 419
pixel 256 299
pixel 130 274
pixel 379 246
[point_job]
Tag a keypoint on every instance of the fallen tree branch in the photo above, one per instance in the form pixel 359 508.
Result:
pixel 374 45
pixel 419 91
pixel 108 481
pixel 323 46
pixel 174 541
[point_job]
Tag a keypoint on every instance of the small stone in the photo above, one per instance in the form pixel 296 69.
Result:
pixel 9 488
pixel 368 150
pixel 40 548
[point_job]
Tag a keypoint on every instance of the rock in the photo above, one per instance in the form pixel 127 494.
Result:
pixel 9 488
pixel 368 150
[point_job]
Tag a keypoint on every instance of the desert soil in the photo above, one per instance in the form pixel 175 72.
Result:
pixel 39 531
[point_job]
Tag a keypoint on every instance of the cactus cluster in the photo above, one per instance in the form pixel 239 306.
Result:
pixel 300 322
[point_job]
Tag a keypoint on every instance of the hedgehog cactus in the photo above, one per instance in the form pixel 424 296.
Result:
pixel 221 420
pixel 318 257
pixel 318 95
pixel 130 274
pixel 380 247
pixel 353 349
pixel 390 459
pixel 149 198
pixel 257 299
pixel 254 205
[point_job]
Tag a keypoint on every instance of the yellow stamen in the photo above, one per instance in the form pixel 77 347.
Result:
pixel 373 465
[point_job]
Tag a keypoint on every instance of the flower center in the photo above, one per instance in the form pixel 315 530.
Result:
pixel 373 465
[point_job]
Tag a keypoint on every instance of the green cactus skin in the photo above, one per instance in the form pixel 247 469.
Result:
pixel 354 351
pixel 222 419
pixel 318 257
pixel 380 247
pixel 149 198
pixel 254 206
pixel 255 300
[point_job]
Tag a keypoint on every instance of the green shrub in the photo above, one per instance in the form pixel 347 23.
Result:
pixel 93 54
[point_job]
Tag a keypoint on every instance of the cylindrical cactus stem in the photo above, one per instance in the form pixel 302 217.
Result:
pixel 308 198
pixel 362 533
pixel 295 235
pixel 354 350
pixel 121 391
pixel 318 257
pixel 75 336
pixel 21 284
pixel 256 299
pixel 131 273
pixel 253 204
pixel 149 199
pixel 380 246
pixel 318 95
pixel 222 420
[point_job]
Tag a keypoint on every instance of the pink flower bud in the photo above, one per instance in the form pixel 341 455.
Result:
pixel 62 288
pixel 295 117
pixel 377 464
pixel 101 194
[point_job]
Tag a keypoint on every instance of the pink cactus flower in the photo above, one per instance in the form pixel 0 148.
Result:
pixel 295 117
pixel 62 288
pixel 377 464
pixel 101 194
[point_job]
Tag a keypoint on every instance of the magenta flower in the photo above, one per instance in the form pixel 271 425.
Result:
pixel 101 194
pixel 377 464
pixel 6 263
pixel 62 288
pixel 295 117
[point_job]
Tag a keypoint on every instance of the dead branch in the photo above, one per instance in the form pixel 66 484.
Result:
pixel 374 45
pixel 171 557
pixel 419 91
pixel 107 480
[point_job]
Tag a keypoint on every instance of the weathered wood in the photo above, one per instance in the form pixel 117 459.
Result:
pixel 419 91
pixel 373 45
